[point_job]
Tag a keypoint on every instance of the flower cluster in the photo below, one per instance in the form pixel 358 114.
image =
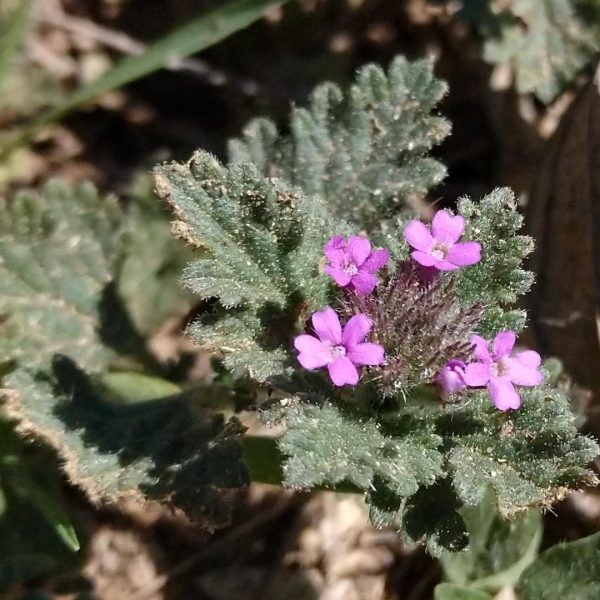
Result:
pixel 353 264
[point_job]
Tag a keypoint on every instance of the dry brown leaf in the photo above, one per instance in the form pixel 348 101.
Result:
pixel 564 218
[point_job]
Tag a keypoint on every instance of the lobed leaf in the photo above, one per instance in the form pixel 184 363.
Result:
pixel 498 280
pixel 58 252
pixel 166 449
pixel 546 42
pixel 326 446
pixel 424 467
pixel 263 242
pixel 364 151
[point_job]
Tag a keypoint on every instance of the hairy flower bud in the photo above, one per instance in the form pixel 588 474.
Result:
pixel 419 323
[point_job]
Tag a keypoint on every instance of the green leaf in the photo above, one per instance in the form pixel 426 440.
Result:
pixel 198 34
pixel 13 29
pixel 499 549
pixel 18 477
pixel 263 459
pixel 564 572
pixel 431 515
pixel 148 275
pixel 547 42
pixel 57 256
pixel 37 536
pixel 130 387
pixel 499 279
pixel 29 548
pixel 450 591
pixel 166 449
pixel 529 459
pixel 363 151
pixel 427 469
pixel 326 447
pixel 80 276
pixel 263 241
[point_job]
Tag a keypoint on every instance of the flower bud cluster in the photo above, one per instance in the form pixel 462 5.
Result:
pixel 414 321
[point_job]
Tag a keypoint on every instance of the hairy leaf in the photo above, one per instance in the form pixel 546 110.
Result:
pixel 547 42
pixel 422 465
pixel 166 449
pixel 148 275
pixel 499 279
pixel 57 256
pixel 263 242
pixel 564 571
pixel 327 446
pixel 363 151
pixel 530 459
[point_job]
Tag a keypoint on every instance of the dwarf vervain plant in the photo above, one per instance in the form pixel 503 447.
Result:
pixel 385 345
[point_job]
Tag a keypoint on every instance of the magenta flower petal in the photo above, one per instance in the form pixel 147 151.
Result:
pixel 352 262
pixel 334 248
pixel 419 237
pixel 503 370
pixel 464 254
pixel 444 265
pixel 314 354
pixel 364 283
pixel 376 260
pixel 477 374
pixel 503 343
pixel 503 394
pixel 439 248
pixel 340 351
pixel 356 330
pixel 529 358
pixel 309 343
pixel 424 259
pixel 359 249
pixel 327 325
pixel 446 228
pixel 520 374
pixel 343 372
pixel 480 349
pixel 338 275
pixel 366 354
pixel 452 377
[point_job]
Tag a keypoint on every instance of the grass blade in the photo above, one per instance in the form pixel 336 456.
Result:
pixel 12 37
pixel 199 34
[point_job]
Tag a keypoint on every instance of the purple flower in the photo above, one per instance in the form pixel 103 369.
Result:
pixel 353 263
pixel 340 351
pixel 500 371
pixel 452 377
pixel 439 247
